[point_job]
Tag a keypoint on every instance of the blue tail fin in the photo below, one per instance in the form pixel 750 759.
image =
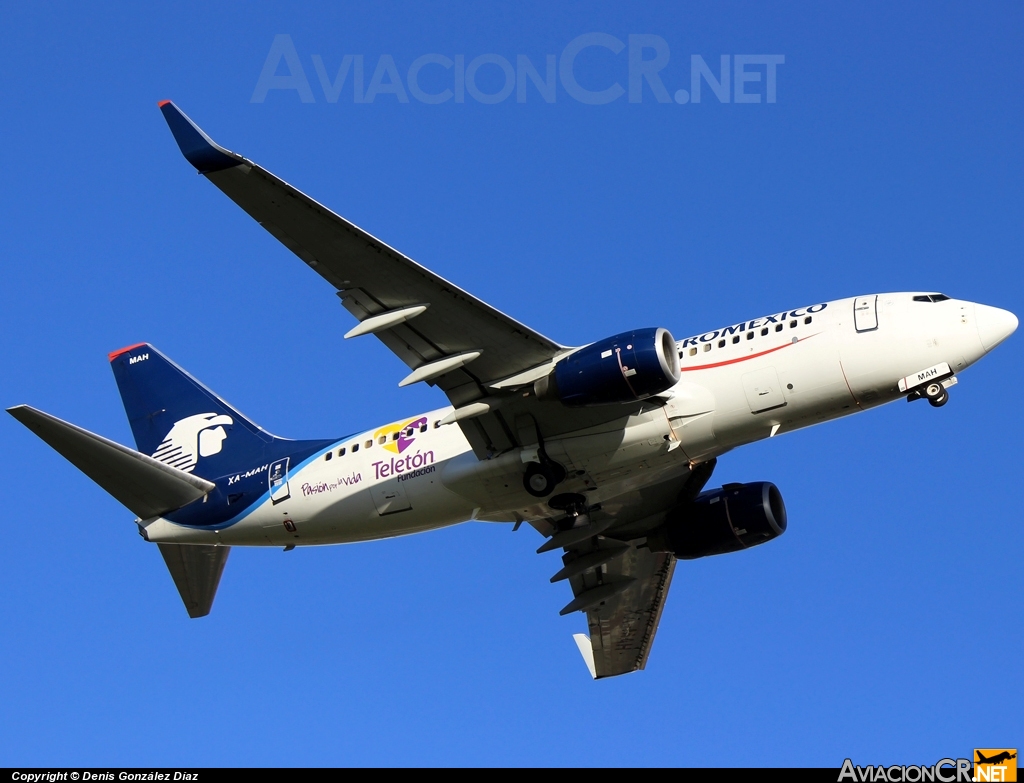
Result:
pixel 180 422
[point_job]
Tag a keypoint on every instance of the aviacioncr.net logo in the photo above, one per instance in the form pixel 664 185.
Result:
pixel 995 765
pixel 201 435
pixel 405 431
pixel 943 771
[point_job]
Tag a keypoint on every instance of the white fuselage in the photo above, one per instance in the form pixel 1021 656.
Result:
pixel 739 384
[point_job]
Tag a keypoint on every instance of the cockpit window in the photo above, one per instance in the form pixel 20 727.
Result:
pixel 931 298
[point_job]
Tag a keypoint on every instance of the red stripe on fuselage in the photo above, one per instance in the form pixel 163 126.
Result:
pixel 745 358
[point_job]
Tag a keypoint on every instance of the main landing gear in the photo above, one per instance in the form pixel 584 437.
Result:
pixel 542 477
pixel 574 505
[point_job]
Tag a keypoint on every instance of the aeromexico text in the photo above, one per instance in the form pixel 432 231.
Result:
pixel 421 462
pixel 757 323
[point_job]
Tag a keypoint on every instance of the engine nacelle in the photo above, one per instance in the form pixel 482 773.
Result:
pixel 625 368
pixel 735 517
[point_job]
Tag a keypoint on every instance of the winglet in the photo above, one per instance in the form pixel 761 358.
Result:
pixel 587 651
pixel 198 148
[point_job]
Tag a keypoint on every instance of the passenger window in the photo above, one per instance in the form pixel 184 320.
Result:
pixel 807 320
pixel 779 327
pixel 423 428
pixel 750 335
pixel 328 455
pixel 680 354
pixel 341 452
pixel 355 447
pixel 707 346
pixel 721 343
pixel 693 352
pixel 368 444
pixel 792 324
pixel 735 339
pixel 764 331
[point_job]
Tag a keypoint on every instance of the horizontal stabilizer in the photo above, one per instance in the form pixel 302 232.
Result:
pixel 147 487
pixel 196 570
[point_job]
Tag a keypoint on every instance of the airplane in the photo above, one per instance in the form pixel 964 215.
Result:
pixel 996 759
pixel 605 449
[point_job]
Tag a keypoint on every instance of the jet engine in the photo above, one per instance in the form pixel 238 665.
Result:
pixel 625 368
pixel 735 517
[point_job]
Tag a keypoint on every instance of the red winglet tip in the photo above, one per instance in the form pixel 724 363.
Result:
pixel 115 354
pixel 161 104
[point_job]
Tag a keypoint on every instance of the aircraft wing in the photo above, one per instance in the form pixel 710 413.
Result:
pixel 616 580
pixel 622 628
pixel 446 336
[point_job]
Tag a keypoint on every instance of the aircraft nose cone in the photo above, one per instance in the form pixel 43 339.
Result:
pixel 994 325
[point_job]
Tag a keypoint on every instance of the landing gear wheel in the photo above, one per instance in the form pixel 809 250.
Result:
pixel 936 394
pixel 567 501
pixel 577 512
pixel 540 480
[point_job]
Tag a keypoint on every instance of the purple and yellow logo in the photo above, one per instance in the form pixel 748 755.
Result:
pixel 401 435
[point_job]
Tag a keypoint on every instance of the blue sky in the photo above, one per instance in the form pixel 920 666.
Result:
pixel 884 626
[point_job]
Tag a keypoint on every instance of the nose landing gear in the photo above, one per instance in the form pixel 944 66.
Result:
pixel 936 394
pixel 931 384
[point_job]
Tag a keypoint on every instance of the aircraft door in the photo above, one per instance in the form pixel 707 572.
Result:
pixel 763 390
pixel 389 497
pixel 865 313
pixel 277 477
